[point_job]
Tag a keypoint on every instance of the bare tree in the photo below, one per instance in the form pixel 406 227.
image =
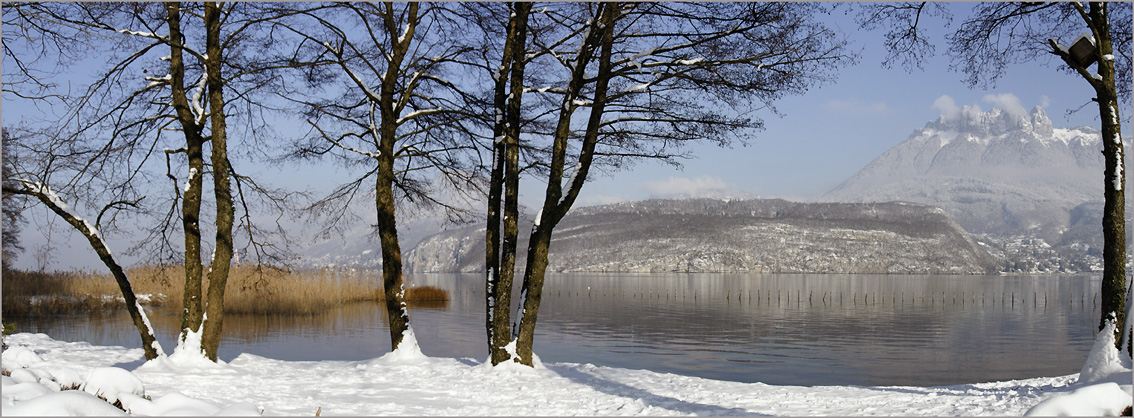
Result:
pixel 80 160
pixel 94 174
pixel 131 108
pixel 395 113
pixel 647 78
pixel 1003 33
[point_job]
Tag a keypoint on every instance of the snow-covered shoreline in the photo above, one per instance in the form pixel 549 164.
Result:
pixel 411 384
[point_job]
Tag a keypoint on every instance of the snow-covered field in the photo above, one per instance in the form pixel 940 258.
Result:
pixel 406 382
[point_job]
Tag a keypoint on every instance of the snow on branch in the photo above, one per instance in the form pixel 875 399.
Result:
pixel 53 201
pixel 637 87
pixel 198 93
pixel 548 89
pixel 336 142
pixel 417 113
pixel 157 81
pixel 150 35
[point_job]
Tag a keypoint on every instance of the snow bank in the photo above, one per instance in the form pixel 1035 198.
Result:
pixel 1107 399
pixel 67 403
pixel 406 383
pixel 18 357
pixel 16 391
pixel 108 382
pixel 25 366
pixel 39 387
pixel 177 404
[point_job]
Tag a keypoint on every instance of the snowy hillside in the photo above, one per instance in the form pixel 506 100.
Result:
pixel 707 235
pixel 359 248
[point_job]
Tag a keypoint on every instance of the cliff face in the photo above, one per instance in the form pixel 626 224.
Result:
pixel 703 235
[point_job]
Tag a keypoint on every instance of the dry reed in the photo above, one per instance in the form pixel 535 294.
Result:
pixel 32 293
pixel 249 290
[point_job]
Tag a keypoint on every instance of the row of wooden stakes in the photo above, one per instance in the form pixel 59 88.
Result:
pixel 765 296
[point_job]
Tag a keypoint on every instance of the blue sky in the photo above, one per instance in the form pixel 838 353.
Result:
pixel 828 134
pixel 822 139
pixel 833 131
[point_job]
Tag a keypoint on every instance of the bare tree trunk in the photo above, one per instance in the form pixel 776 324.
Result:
pixel 392 281
pixel 191 205
pixel 222 253
pixel 506 174
pixel 492 284
pixel 532 293
pixel 556 203
pixel 1113 291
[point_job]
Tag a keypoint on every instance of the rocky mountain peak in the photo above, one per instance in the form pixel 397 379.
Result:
pixel 972 122
pixel 1041 124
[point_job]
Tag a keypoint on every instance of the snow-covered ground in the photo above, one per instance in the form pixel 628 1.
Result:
pixel 406 382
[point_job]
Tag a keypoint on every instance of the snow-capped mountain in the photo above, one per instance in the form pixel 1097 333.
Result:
pixel 722 235
pixel 358 245
pixel 996 172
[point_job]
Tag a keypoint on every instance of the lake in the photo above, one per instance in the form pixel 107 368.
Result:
pixel 791 329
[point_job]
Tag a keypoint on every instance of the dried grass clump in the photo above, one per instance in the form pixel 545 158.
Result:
pixel 249 290
pixel 426 293
pixel 300 292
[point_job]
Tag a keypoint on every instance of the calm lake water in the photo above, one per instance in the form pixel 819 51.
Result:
pixel 778 329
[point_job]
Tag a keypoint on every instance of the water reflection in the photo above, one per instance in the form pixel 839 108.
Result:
pixel 777 329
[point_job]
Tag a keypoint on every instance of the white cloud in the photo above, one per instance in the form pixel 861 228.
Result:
pixel 680 187
pixel 858 107
pixel 595 200
pixel 1007 102
pixel 946 106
